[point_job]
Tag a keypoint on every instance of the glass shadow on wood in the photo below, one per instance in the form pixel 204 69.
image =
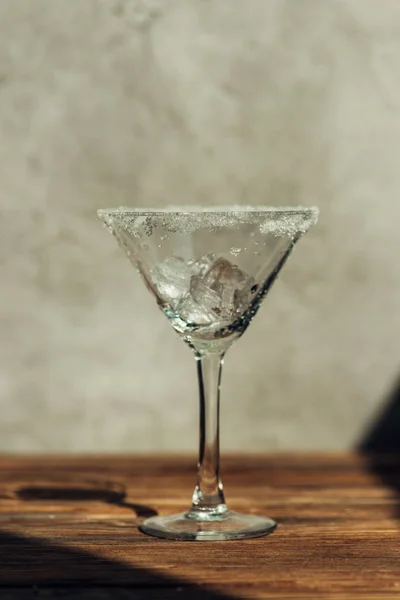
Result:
pixel 116 497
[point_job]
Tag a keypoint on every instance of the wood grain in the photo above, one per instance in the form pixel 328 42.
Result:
pixel 73 521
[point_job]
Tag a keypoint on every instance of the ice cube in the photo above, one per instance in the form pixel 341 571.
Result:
pixel 204 295
pixel 203 264
pixel 231 284
pixel 194 313
pixel 171 279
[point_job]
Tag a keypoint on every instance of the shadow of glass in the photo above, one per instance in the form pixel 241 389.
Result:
pixel 381 445
pixel 82 494
pixel 78 574
pixel 30 567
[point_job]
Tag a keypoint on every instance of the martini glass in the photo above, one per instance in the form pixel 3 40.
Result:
pixel 209 271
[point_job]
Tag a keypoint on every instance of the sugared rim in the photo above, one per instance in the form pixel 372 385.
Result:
pixel 197 210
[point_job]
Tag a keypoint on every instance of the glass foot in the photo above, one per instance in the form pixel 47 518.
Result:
pixel 192 526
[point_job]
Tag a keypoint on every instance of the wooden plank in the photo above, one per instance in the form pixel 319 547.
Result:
pixel 73 520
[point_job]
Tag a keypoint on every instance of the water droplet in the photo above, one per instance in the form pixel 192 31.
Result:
pixel 235 251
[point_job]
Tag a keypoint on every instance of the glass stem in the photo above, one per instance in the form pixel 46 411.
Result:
pixel 208 495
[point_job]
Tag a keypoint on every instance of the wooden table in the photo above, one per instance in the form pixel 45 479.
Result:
pixel 69 529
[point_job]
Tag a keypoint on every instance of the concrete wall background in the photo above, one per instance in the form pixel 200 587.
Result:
pixel 109 102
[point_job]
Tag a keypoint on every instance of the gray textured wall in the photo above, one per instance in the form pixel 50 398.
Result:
pixel 109 102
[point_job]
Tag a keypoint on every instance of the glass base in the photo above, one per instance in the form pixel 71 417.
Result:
pixel 203 527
